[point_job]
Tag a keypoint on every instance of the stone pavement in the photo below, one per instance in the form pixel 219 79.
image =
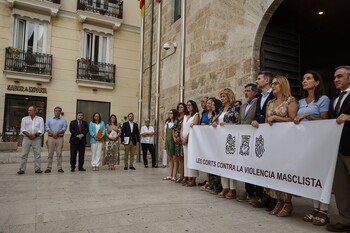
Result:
pixel 128 201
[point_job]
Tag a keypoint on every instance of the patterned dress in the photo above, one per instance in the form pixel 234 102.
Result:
pixel 179 152
pixel 281 111
pixel 110 155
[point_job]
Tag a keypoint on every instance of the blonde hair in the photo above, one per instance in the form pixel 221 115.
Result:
pixel 230 95
pixel 284 84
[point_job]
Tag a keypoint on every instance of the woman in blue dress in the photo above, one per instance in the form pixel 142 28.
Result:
pixel 314 107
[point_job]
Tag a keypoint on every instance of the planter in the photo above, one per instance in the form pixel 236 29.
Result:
pixel 8 146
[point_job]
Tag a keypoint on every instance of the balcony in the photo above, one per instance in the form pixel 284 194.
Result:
pixel 26 65
pixel 101 12
pixel 50 7
pixel 95 74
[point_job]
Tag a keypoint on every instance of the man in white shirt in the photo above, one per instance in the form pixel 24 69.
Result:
pixel 147 133
pixel 32 128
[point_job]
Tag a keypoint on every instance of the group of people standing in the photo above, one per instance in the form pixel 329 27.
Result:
pixel 269 100
pixel 104 140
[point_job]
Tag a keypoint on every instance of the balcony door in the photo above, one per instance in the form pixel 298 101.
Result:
pixel 96 47
pixel 30 35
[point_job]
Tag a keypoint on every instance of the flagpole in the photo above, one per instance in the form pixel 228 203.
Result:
pixel 183 50
pixel 141 78
pixel 159 26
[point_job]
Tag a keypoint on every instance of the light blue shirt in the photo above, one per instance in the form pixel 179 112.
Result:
pixel 56 124
pixel 313 108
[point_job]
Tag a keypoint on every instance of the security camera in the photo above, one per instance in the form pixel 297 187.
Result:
pixel 168 45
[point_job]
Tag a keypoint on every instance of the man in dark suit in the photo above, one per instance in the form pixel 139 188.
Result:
pixel 78 129
pixel 130 137
pixel 339 108
pixel 263 81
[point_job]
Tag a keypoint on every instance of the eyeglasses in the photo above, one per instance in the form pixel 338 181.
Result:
pixel 274 84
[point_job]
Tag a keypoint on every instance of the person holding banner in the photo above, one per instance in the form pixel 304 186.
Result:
pixel 190 119
pixel 228 114
pixel 282 108
pixel 179 153
pixel 97 132
pixel 314 107
pixel 339 108
pixel 263 81
pixel 247 114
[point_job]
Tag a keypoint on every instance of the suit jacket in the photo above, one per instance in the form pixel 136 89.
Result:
pixel 126 132
pixel 92 131
pixel 249 117
pixel 344 146
pixel 74 130
pixel 260 113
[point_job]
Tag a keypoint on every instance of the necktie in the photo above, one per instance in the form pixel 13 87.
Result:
pixel 80 127
pixel 337 106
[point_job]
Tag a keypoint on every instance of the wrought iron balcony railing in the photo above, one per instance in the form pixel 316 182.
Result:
pixel 112 8
pixel 95 71
pixel 28 62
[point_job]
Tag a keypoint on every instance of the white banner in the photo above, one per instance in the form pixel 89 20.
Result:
pixel 297 159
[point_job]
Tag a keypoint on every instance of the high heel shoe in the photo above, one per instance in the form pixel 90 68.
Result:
pixel 278 208
pixel 286 210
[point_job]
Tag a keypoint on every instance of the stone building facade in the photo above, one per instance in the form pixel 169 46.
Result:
pixel 223 41
pixel 80 55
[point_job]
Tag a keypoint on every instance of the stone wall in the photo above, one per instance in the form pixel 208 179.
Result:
pixel 222 48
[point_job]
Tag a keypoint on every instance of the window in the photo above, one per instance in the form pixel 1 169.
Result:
pixel 16 107
pixel 96 47
pixel 177 10
pixel 101 4
pixel 30 35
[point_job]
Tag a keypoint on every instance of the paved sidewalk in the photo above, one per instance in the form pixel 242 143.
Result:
pixel 128 201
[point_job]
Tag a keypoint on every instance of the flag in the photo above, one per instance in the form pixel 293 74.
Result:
pixel 158 1
pixel 142 7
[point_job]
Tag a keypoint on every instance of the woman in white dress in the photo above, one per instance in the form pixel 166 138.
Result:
pixel 192 118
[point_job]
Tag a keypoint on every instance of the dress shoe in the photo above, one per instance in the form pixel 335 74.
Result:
pixel 20 172
pixel 82 169
pixel 146 166
pixel 132 168
pixel 231 194
pixel 47 170
pixel 125 168
pixel 155 166
pixel 60 170
pixel 39 171
pixel 72 170
pixel 338 227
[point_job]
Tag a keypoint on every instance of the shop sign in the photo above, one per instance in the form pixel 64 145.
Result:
pixel 27 89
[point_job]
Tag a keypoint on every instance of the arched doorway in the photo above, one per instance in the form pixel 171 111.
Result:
pixel 299 37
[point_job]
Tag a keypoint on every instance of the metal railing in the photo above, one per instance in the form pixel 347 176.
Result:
pixel 112 8
pixel 28 62
pixel 95 71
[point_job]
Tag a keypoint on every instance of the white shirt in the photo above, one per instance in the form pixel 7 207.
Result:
pixel 33 126
pixel 147 139
pixel 131 126
pixel 264 98
pixel 221 117
pixel 342 101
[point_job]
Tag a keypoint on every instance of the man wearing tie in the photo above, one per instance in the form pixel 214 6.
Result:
pixel 130 137
pixel 339 108
pixel 78 129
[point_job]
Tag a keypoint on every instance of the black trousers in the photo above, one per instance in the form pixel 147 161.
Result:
pixel 254 190
pixel 74 149
pixel 150 148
